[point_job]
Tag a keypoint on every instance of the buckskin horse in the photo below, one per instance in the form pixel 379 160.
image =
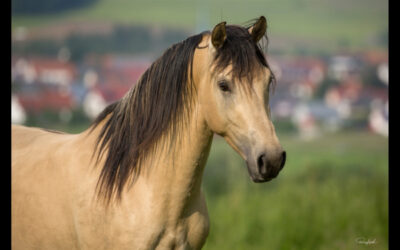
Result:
pixel 132 180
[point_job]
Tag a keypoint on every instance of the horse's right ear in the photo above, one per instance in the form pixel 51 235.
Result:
pixel 258 30
pixel 218 35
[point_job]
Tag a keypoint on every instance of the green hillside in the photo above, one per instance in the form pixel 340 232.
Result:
pixel 325 24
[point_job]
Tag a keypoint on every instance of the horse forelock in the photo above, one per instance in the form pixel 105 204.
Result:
pixel 242 54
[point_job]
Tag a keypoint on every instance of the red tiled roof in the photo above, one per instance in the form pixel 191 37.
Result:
pixel 376 56
pixel 51 64
pixel 45 100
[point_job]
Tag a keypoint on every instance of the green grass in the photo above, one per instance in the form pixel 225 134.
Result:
pixel 314 22
pixel 332 191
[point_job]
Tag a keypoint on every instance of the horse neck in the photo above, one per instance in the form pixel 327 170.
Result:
pixel 172 174
pixel 176 175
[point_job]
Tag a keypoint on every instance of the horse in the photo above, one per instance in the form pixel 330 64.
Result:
pixel 132 180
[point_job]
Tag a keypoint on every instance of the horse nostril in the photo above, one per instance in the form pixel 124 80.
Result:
pixel 261 163
pixel 283 157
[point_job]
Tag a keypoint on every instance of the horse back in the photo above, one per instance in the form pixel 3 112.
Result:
pixel 40 215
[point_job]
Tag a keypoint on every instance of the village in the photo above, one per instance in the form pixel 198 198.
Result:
pixel 313 95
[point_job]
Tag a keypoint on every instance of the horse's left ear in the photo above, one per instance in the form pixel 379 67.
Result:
pixel 258 30
pixel 218 35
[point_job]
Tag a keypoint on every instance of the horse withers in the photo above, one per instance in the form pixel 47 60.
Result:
pixel 133 179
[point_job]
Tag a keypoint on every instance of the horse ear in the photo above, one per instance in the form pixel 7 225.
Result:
pixel 258 30
pixel 218 35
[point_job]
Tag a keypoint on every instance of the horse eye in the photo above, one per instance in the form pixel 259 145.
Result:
pixel 224 86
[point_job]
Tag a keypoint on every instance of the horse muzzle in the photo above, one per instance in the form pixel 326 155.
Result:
pixel 266 166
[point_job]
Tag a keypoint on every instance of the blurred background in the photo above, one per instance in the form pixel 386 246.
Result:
pixel 70 58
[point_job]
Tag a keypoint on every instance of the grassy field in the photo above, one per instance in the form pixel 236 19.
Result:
pixel 318 23
pixel 331 194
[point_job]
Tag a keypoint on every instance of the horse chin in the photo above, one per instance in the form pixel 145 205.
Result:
pixel 256 177
pixel 260 180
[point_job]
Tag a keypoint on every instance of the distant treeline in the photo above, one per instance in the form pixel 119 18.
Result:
pixel 123 39
pixel 35 7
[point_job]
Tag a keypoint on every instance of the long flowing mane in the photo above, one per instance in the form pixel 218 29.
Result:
pixel 159 105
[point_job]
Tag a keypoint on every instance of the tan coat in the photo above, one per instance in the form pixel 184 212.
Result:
pixel 54 202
